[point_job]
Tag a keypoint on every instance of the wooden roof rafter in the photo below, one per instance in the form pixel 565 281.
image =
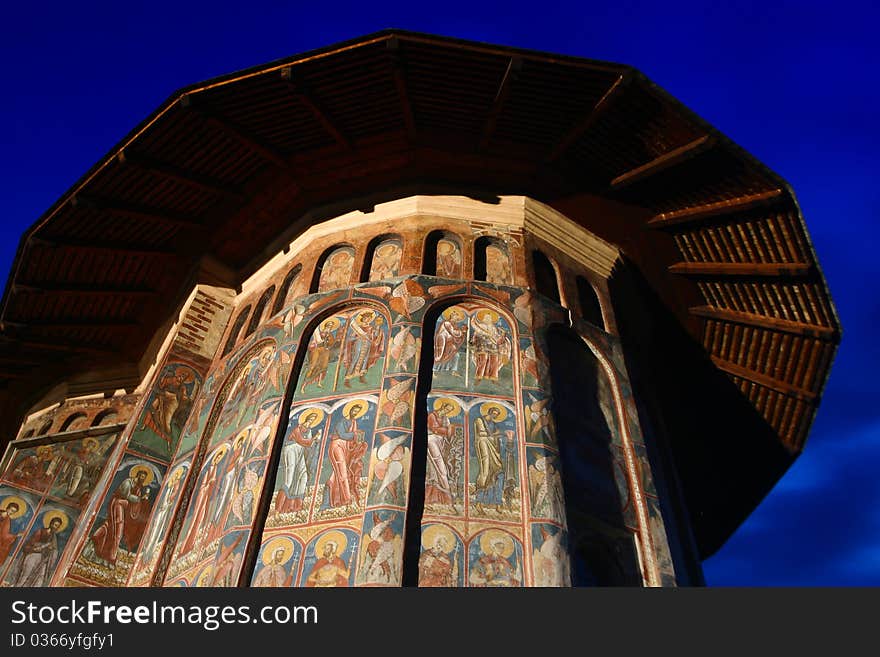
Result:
pixel 307 98
pixel 180 175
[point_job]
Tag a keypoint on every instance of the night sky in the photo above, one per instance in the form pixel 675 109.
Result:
pixel 794 83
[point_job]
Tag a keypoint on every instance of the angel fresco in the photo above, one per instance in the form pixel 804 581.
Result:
pixel 382 552
pixel 545 486
pixel 390 457
pixel 386 260
pixel 262 372
pixel 336 272
pixel 394 405
pixel 550 557
pixel 404 347
pixel 448 259
pixel 171 403
pixel 497 266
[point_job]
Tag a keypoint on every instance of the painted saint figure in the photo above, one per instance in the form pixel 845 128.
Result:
pixel 171 403
pixel 347 448
pixel 493 567
pixel 329 570
pixel 162 517
pixel 381 554
pixel 293 471
pixel 127 514
pixel 386 261
pixel 436 568
pixel 36 560
pixel 364 345
pixel 441 434
pixel 497 266
pixel 8 513
pixel 336 272
pixel 491 345
pixel 448 259
pixel 488 445
pixel 274 572
pixel 448 338
pixel 199 509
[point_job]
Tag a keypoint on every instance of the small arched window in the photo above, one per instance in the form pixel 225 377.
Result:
pixel 284 290
pixel 492 261
pixel 236 329
pixel 383 258
pixel 73 422
pixel 333 270
pixel 44 428
pixel 259 309
pixel 591 309
pixel 104 417
pixel 442 255
pixel 28 433
pixel 545 276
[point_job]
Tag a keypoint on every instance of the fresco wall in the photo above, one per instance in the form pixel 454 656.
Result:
pixel 43 491
pixel 286 459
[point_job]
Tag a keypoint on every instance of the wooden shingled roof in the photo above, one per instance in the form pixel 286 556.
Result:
pixel 224 167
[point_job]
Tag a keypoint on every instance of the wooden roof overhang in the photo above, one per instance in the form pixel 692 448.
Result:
pixel 224 167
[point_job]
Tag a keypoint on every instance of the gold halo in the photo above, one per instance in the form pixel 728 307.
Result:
pixel 22 505
pixel 430 535
pixel 51 515
pixel 450 247
pixel 177 474
pixel 269 350
pixel 454 310
pixel 42 449
pixel 384 249
pixel 90 441
pixel 333 535
pixel 490 536
pixel 363 404
pixel 203 577
pixel 241 436
pixel 329 324
pixel 138 468
pixel 335 256
pixel 311 409
pixel 484 410
pixel 278 542
pixel 456 408
pixel 364 313
pixel 220 452
pixel 482 312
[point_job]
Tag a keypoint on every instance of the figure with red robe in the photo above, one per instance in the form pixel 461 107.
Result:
pixel 347 448
pixel 127 515
pixel 329 570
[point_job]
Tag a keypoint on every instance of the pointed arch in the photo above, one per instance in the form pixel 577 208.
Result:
pixel 546 281
pixel 492 261
pixel 333 269
pixel 588 302
pixel 383 258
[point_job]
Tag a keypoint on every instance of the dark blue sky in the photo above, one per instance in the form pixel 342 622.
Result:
pixel 794 83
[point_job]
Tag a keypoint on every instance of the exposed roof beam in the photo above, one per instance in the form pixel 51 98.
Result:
pixel 66 290
pixel 769 323
pixel 590 119
pixel 513 68
pixel 52 345
pixel 237 133
pixel 700 212
pixel 108 248
pixel 663 162
pixel 397 66
pixel 133 211
pixel 179 175
pixel 67 324
pixel 765 381
pixel 741 268
pixel 307 99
